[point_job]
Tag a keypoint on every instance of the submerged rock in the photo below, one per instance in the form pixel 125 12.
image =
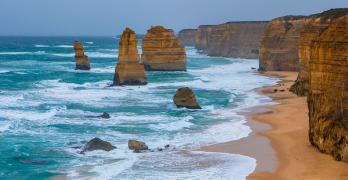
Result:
pixel 81 59
pixel 98 144
pixel 137 145
pixel 32 161
pixel 104 115
pixel 184 97
pixel 162 51
pixel 129 70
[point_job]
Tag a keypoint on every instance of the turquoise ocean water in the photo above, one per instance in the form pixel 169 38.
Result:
pixel 44 102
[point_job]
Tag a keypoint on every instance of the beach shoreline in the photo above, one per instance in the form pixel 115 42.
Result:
pixel 279 139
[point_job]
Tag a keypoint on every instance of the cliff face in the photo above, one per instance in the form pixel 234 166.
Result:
pixel 162 52
pixel 203 37
pixel 187 36
pixel 280 44
pixel 236 39
pixel 81 59
pixel 129 70
pixel 328 90
pixel 309 33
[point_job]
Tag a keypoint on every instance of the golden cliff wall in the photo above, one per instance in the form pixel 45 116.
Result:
pixel 309 33
pixel 81 59
pixel 187 36
pixel 129 70
pixel 236 39
pixel 202 37
pixel 328 90
pixel 162 52
pixel 280 42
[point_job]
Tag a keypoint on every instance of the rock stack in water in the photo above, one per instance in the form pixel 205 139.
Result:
pixel 129 70
pixel 162 52
pixel 187 36
pixel 184 97
pixel 328 90
pixel 81 59
pixel 316 26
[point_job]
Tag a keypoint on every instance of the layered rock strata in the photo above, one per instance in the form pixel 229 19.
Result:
pixel 309 33
pixel 81 59
pixel 236 39
pixel 280 42
pixel 187 36
pixel 184 97
pixel 328 90
pixel 162 52
pixel 129 70
pixel 203 37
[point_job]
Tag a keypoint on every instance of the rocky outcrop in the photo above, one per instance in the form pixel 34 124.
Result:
pixel 236 39
pixel 171 32
pixel 280 44
pixel 184 97
pixel 129 70
pixel 309 33
pixel 98 144
pixel 187 36
pixel 202 37
pixel 137 145
pixel 104 115
pixel 162 52
pixel 81 59
pixel 328 90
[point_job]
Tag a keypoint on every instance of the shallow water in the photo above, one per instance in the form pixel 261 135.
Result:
pixel 44 102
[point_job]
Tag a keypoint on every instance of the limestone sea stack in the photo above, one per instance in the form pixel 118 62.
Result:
pixel 81 59
pixel 328 90
pixel 184 97
pixel 280 44
pixel 309 33
pixel 129 70
pixel 162 52
pixel 187 36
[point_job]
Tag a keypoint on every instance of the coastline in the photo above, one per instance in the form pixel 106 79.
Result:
pixel 279 138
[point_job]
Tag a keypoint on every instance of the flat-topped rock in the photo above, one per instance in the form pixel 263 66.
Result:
pixel 81 59
pixel 162 52
pixel 129 70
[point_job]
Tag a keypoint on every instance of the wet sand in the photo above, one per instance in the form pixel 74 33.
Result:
pixel 279 138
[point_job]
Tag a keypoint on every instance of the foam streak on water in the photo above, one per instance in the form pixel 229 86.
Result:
pixel 45 103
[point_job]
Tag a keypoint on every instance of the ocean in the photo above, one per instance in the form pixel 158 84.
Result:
pixel 44 104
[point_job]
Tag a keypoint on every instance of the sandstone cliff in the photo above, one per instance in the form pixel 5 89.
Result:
pixel 328 90
pixel 236 39
pixel 162 52
pixel 129 70
pixel 280 43
pixel 202 37
pixel 187 36
pixel 81 59
pixel 309 33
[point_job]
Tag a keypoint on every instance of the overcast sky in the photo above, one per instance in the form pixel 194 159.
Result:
pixel 111 17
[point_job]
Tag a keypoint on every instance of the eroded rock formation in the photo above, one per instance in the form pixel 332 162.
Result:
pixel 162 52
pixel 184 97
pixel 137 145
pixel 236 39
pixel 328 90
pixel 187 36
pixel 81 59
pixel 280 44
pixel 309 33
pixel 129 70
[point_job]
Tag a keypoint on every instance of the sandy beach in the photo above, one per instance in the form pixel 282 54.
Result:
pixel 279 139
